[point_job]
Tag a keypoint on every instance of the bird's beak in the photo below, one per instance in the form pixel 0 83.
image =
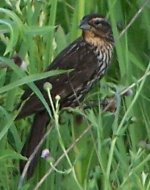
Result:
pixel 84 25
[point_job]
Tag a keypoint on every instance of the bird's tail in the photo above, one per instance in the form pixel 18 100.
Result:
pixel 37 132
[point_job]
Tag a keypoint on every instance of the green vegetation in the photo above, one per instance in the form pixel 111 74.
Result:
pixel 93 149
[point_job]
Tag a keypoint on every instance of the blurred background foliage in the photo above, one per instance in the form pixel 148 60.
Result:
pixel 114 153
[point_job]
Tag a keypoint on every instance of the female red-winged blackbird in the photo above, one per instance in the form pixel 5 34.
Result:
pixel 89 57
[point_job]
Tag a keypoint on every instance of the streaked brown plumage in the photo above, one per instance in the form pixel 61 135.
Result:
pixel 89 57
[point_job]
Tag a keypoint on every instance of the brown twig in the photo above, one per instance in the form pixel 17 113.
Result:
pixel 133 19
pixel 109 103
pixel 134 84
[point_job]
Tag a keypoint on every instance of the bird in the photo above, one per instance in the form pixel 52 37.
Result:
pixel 88 58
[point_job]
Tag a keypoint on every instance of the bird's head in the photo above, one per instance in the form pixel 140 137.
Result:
pixel 96 27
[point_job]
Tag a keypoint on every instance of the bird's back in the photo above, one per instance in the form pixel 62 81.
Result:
pixel 81 59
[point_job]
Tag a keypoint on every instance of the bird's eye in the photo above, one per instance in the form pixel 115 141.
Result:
pixel 97 22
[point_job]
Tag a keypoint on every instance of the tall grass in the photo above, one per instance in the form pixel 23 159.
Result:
pixel 91 149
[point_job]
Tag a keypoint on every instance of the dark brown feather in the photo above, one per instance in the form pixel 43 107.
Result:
pixel 78 56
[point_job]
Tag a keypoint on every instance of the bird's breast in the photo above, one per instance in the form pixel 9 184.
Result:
pixel 87 80
pixel 103 55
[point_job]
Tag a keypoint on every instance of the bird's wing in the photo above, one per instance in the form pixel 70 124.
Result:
pixel 77 56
